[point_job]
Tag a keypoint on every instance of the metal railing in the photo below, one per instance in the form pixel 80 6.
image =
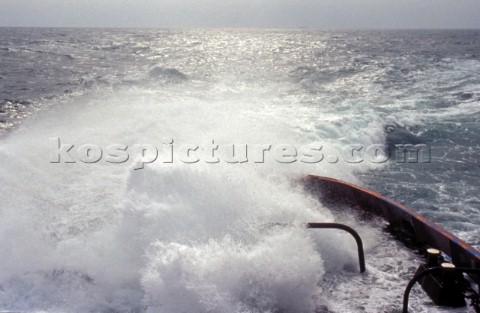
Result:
pixel 351 231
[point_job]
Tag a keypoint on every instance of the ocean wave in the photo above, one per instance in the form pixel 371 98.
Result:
pixel 166 75
pixel 105 237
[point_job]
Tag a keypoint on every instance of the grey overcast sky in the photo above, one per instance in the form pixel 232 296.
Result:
pixel 323 14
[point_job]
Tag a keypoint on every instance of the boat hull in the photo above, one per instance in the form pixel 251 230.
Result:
pixel 423 231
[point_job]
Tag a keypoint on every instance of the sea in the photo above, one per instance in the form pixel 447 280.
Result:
pixel 159 170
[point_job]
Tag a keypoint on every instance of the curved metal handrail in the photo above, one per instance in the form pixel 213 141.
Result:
pixel 351 231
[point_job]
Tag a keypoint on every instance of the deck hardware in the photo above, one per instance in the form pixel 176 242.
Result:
pixel 445 271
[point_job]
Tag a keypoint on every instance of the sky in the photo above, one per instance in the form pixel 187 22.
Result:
pixel 318 14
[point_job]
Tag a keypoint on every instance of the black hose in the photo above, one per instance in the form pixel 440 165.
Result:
pixel 420 275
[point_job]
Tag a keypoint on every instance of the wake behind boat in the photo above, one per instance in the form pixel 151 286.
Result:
pixel 174 237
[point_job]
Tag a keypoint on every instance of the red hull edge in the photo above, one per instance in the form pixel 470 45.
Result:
pixel 424 231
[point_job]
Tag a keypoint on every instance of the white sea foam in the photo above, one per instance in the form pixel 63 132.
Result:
pixel 101 236
pixel 202 237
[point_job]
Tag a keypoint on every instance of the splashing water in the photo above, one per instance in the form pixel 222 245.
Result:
pixel 200 236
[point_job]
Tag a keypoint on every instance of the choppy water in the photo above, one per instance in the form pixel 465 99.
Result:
pixel 197 237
